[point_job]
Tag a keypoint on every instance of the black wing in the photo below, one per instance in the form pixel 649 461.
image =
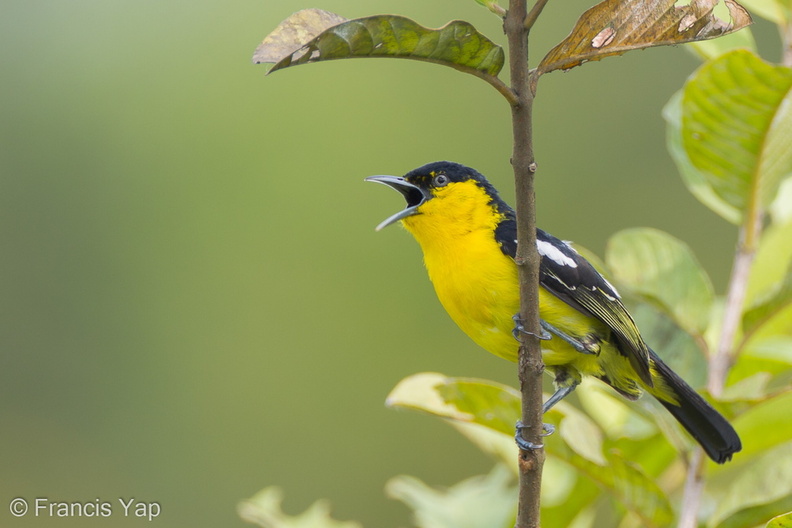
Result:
pixel 571 278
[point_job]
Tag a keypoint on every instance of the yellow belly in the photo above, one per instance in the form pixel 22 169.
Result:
pixel 478 286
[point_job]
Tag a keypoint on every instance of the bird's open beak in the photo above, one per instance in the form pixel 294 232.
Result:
pixel 412 193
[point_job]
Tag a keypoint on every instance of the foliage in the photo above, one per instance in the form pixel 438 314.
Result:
pixel 613 462
pixel 264 509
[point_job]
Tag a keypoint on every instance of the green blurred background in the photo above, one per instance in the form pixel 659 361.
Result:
pixel 193 301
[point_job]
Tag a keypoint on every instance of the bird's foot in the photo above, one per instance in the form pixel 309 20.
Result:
pixel 525 445
pixel 519 328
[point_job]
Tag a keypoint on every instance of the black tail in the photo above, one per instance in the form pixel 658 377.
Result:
pixel 705 424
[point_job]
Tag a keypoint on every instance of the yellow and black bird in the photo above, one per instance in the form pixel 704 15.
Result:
pixel 468 237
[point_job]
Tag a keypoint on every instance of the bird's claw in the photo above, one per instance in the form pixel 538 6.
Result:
pixel 519 328
pixel 525 445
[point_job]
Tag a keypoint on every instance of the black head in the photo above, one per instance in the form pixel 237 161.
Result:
pixel 424 183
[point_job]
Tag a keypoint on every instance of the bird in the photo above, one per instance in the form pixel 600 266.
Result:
pixel 468 236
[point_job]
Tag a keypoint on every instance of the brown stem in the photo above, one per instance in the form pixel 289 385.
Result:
pixel 527 259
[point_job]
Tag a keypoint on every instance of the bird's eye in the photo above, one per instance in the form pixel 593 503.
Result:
pixel 441 180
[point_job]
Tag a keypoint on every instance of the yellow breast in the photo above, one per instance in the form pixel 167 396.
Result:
pixel 474 280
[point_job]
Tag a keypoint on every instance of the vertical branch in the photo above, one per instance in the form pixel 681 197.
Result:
pixel 694 486
pixel 722 359
pixel 786 41
pixel 527 259
pixel 724 356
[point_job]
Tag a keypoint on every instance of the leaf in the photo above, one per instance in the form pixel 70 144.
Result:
pixel 737 128
pixel 484 501
pixel 781 208
pixel 756 515
pixel 291 34
pixel 469 400
pixel 457 44
pixel 614 27
pixel 264 509
pixel 782 521
pixel 750 388
pixel 497 407
pixel 662 268
pixel 769 479
pixel 583 436
pixel 778 348
pixel 765 425
pixel 498 445
pixel 769 356
pixel 626 483
pixel 696 181
pixel 771 306
pixel 613 414
pixel 685 354
pixel 581 501
pixel 771 264
pixel 558 484
pixel 772 10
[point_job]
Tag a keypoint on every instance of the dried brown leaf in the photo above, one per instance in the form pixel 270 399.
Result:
pixel 293 33
pixel 614 27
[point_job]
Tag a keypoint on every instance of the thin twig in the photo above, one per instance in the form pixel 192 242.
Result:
pixel 536 10
pixel 721 361
pixel 786 38
pixel 527 259
pixel 724 356
pixel 694 487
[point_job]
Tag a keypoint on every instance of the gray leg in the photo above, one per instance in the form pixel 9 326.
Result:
pixel 557 396
pixel 519 328
pixel 549 429
pixel 580 346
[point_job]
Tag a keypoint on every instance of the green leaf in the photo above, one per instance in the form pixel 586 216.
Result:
pixel 782 521
pixel 695 180
pixel 457 44
pixel 771 264
pixel 770 357
pixel 614 27
pixel 479 502
pixel 776 348
pixel 497 407
pixel 582 499
pixel 613 414
pixel 769 479
pixel 583 436
pixel 470 400
pixel 765 425
pixel 749 388
pixel 264 509
pixel 772 10
pixel 781 208
pixel 771 306
pixel 685 354
pixel 737 128
pixel 756 515
pixel 625 482
pixel 663 269
pixel 498 445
